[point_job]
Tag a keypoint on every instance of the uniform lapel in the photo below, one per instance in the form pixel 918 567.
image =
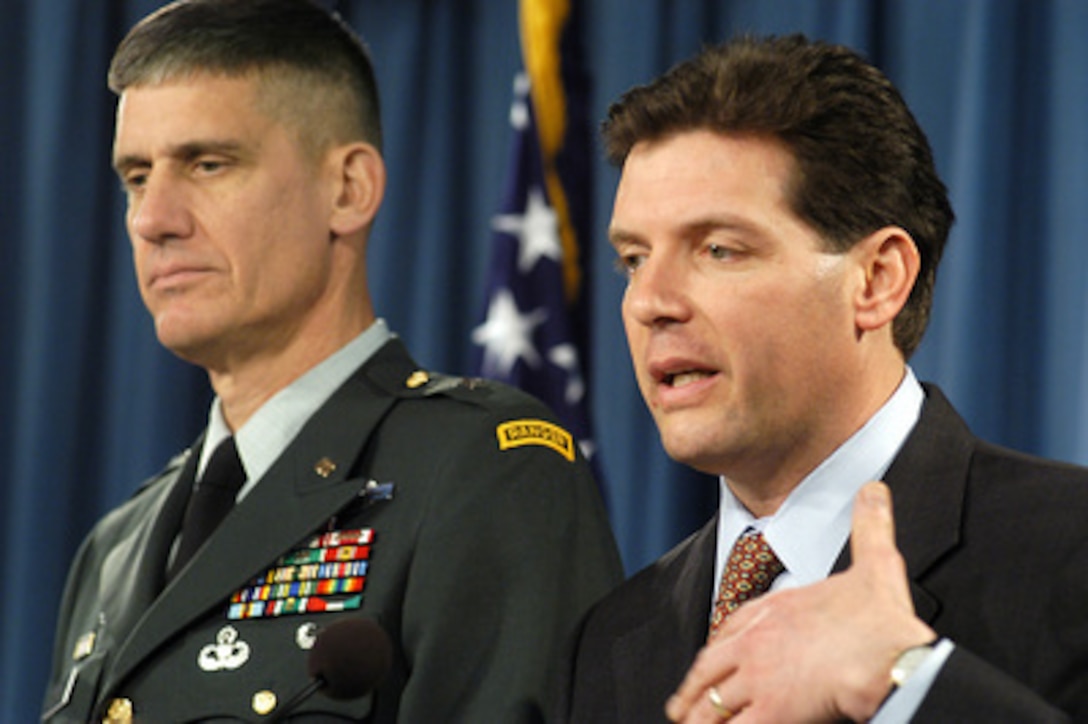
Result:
pixel 132 573
pixel 305 486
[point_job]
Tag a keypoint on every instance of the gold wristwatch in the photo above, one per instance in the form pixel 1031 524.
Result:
pixel 908 662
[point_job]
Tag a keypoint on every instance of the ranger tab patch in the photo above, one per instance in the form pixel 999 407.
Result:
pixel 517 433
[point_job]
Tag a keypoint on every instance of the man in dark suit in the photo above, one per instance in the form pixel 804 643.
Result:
pixel 781 222
pixel 457 514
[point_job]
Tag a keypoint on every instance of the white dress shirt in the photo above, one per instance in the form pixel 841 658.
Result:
pixel 812 525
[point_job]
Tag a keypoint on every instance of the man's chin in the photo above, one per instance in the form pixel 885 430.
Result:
pixel 187 343
pixel 694 453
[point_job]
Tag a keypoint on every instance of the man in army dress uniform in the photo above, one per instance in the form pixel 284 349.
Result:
pixel 456 514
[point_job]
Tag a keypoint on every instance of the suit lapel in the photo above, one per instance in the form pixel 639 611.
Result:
pixel 928 481
pixel 293 499
pixel 679 613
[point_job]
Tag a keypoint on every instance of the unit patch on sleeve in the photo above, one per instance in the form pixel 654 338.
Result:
pixel 517 433
pixel 326 574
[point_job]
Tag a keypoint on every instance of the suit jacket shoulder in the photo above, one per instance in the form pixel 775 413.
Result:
pixel 997 555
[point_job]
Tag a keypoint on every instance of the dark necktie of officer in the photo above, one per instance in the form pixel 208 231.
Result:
pixel 210 502
pixel 749 572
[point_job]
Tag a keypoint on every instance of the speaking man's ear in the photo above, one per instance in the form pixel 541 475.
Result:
pixel 888 262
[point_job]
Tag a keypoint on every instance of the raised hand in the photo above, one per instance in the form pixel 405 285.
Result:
pixel 817 653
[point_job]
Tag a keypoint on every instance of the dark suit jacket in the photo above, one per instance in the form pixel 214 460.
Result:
pixel 483 560
pixel 996 546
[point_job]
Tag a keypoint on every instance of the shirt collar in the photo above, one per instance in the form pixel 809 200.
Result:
pixel 812 525
pixel 268 432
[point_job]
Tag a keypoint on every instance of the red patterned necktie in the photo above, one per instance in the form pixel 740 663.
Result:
pixel 749 572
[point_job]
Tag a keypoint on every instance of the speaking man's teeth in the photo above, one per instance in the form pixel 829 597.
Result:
pixel 686 378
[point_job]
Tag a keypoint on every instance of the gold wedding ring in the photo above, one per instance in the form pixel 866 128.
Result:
pixel 716 702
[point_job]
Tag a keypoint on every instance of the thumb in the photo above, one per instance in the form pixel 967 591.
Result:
pixel 872 536
pixel 876 559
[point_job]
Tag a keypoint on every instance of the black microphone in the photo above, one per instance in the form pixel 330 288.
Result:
pixel 349 660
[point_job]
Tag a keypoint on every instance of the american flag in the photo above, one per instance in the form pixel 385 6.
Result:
pixel 533 332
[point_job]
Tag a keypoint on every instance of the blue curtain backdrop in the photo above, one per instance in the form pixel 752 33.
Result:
pixel 90 405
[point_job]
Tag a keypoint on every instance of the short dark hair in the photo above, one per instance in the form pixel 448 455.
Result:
pixel 862 160
pixel 315 72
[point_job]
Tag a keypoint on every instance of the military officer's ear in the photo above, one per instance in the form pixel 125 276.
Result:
pixel 357 174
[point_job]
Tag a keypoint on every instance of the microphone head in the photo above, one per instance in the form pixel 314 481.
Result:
pixel 351 657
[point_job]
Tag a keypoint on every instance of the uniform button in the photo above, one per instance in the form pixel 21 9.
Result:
pixel 264 702
pixel 324 467
pixel 119 712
